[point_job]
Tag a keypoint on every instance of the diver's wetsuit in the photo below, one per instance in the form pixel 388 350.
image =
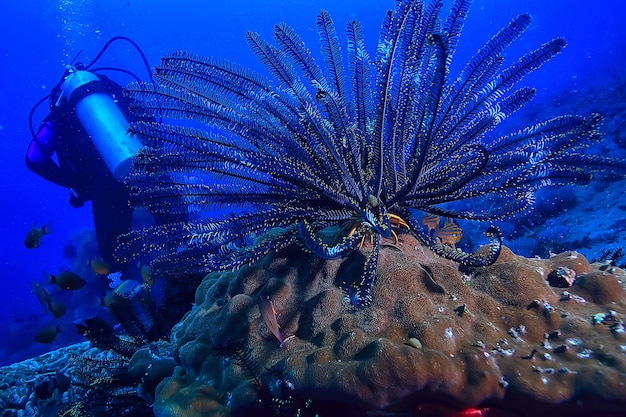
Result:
pixel 81 169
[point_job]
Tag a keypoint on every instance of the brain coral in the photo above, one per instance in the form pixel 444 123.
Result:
pixel 498 336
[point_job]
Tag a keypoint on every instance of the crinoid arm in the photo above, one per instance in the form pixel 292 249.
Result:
pixel 311 241
pixel 361 292
pixel 457 255
pixel 271 241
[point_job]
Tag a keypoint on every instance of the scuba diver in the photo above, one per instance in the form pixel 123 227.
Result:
pixel 87 130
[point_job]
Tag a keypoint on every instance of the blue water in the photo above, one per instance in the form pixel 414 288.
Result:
pixel 39 38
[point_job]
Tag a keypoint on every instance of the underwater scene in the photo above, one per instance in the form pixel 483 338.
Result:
pixel 313 208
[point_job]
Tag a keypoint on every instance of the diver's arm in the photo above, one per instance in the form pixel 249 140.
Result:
pixel 39 156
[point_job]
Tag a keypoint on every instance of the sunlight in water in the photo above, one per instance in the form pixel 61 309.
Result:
pixel 76 17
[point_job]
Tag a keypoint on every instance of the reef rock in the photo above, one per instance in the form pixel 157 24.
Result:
pixel 436 333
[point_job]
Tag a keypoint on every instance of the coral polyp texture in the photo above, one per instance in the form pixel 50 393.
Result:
pixel 498 337
pixel 360 143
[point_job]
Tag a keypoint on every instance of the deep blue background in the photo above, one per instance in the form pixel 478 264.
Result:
pixel 39 38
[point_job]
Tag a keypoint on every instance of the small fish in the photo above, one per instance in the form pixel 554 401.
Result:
pixel 41 293
pixel 450 233
pixel 67 280
pixel 48 303
pixel 431 221
pixel 63 381
pixel 48 334
pixel 146 275
pixel 99 266
pixel 125 290
pixel 57 308
pixel 33 237
pixel 45 389
pixel 128 288
pixel 269 316
pixel 95 327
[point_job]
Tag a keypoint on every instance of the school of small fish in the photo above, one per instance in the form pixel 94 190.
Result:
pixel 449 234
pixel 66 280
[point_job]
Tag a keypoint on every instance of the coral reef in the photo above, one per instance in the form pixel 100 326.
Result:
pixel 115 373
pixel 103 383
pixel 497 336
pixel 19 380
pixel 109 383
pixel 123 376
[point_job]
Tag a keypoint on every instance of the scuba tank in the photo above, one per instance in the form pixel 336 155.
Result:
pixel 102 120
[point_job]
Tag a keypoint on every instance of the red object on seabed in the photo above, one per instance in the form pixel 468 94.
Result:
pixel 437 410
